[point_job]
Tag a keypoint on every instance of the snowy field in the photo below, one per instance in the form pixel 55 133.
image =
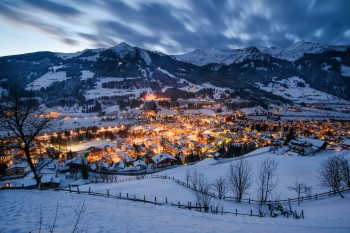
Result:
pixel 21 209
pixel 298 91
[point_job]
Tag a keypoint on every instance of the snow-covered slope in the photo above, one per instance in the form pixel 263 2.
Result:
pixel 298 49
pixel 291 53
pixel 202 57
pixel 298 91
pixel 21 208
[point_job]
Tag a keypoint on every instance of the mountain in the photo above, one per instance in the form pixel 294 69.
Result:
pixel 293 52
pixel 257 75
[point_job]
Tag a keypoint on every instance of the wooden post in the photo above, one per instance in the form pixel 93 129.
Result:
pixel 216 210
pixel 70 190
pixel 179 204
pixel 222 210
pixel 302 214
pixel 78 189
pixel 127 195
pixel 107 192
pixel 236 212
pixel 155 200
pixel 316 196
pixel 120 194
pixel 166 199
pixel 251 213
pixel 89 191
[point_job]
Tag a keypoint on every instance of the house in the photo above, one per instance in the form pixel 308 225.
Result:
pixel 218 156
pixel 17 169
pixel 140 165
pixel 163 160
pixel 305 146
pixel 50 181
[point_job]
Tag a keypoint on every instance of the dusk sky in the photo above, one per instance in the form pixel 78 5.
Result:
pixel 170 26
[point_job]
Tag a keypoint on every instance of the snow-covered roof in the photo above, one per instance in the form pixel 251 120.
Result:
pixel 46 178
pixel 160 157
pixel 140 163
pixel 315 142
pixel 18 165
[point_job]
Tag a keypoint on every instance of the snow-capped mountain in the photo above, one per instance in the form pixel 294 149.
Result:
pixel 293 52
pixel 253 73
pixel 202 57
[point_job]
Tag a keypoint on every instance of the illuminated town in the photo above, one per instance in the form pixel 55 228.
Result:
pixel 149 140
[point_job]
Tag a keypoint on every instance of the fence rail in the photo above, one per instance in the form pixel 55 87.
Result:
pixel 252 201
pixel 196 207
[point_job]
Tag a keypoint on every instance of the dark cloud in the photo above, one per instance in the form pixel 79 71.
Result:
pixel 179 26
pixel 53 7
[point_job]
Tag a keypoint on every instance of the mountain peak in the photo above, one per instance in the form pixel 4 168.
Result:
pixel 123 49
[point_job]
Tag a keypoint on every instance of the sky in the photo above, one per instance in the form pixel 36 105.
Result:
pixel 169 26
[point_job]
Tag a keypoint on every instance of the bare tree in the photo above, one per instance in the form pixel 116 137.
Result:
pixel 220 186
pixel 239 178
pixel 79 215
pixel 345 171
pixel 187 176
pixel 267 180
pixel 300 188
pixel 22 116
pixel 201 189
pixel 330 174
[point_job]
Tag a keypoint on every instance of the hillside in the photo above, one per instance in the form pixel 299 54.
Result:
pixel 107 215
pixel 108 76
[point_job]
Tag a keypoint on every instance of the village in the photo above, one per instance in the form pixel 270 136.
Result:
pixel 148 143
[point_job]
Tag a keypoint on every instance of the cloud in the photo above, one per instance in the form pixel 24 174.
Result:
pixel 180 26
pixel 53 7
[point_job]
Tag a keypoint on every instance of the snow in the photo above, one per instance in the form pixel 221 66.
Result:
pixel 203 57
pixel 124 49
pixel 345 70
pixel 87 74
pixel 146 57
pixel 47 80
pixel 21 208
pixel 166 72
pixel 93 143
pixel 292 52
pixel 289 89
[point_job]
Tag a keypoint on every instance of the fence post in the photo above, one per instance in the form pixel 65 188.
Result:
pixel 222 210
pixel 120 194
pixel 155 200
pixel 89 191
pixel 179 204
pixel 251 213
pixel 70 188
pixel 302 214
pixel 166 199
pixel 107 192
pixel 78 190
pixel 236 212
pixel 127 195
